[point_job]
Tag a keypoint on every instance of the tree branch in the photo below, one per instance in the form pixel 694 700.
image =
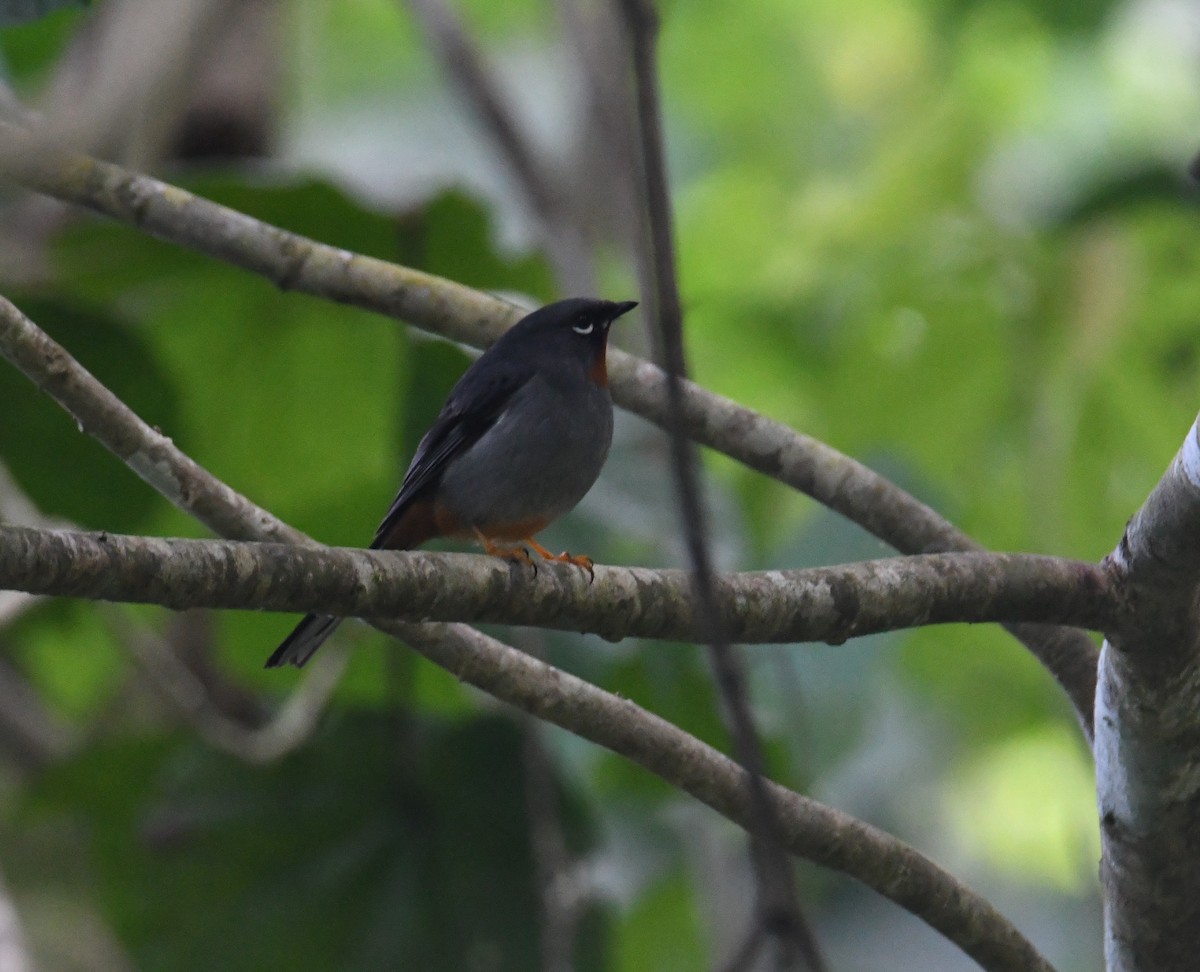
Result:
pixel 810 830
pixel 461 314
pixel 829 604
pixel 1148 732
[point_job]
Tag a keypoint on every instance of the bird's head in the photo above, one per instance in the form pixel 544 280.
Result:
pixel 577 326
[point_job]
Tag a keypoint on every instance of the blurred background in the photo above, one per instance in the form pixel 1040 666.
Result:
pixel 954 240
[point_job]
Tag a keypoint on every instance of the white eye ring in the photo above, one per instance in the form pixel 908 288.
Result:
pixel 583 330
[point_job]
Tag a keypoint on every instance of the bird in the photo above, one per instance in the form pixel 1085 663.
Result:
pixel 520 440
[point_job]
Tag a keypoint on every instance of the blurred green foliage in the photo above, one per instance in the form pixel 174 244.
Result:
pixel 950 239
pixel 355 850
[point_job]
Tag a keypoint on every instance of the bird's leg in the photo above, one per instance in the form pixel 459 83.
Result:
pixel 566 557
pixel 517 554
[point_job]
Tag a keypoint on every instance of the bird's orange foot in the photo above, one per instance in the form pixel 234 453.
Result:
pixel 577 560
pixel 566 557
pixel 580 560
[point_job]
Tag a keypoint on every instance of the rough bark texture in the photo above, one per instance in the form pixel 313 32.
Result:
pixel 829 604
pixel 1148 734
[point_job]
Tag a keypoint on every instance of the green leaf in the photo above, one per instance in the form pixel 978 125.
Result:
pixel 662 931
pixel 70 657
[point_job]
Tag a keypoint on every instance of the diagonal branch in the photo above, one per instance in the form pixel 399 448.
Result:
pixel 462 314
pixel 810 830
pixel 154 457
pixel 145 450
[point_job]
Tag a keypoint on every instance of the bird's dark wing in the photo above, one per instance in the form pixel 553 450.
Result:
pixel 478 399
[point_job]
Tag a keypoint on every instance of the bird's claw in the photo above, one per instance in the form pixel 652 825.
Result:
pixel 579 560
pixel 521 555
pixel 576 559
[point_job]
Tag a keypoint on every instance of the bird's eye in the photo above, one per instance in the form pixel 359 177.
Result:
pixel 583 328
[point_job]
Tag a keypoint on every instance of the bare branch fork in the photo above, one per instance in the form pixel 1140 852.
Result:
pixel 459 313
pixel 808 829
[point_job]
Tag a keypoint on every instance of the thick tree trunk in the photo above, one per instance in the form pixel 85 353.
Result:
pixel 1148 735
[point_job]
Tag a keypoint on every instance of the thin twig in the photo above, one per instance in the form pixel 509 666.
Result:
pixel 600 168
pixel 462 314
pixel 287 730
pixel 778 913
pixel 564 888
pixel 468 69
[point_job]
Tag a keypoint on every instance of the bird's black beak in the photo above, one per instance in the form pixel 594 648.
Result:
pixel 622 308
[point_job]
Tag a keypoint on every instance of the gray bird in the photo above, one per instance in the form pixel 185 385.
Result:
pixel 521 439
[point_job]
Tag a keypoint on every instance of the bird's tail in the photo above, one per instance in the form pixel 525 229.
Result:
pixel 305 639
pixel 408 524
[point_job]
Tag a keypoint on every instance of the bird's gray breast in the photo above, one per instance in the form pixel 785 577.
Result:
pixel 537 460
